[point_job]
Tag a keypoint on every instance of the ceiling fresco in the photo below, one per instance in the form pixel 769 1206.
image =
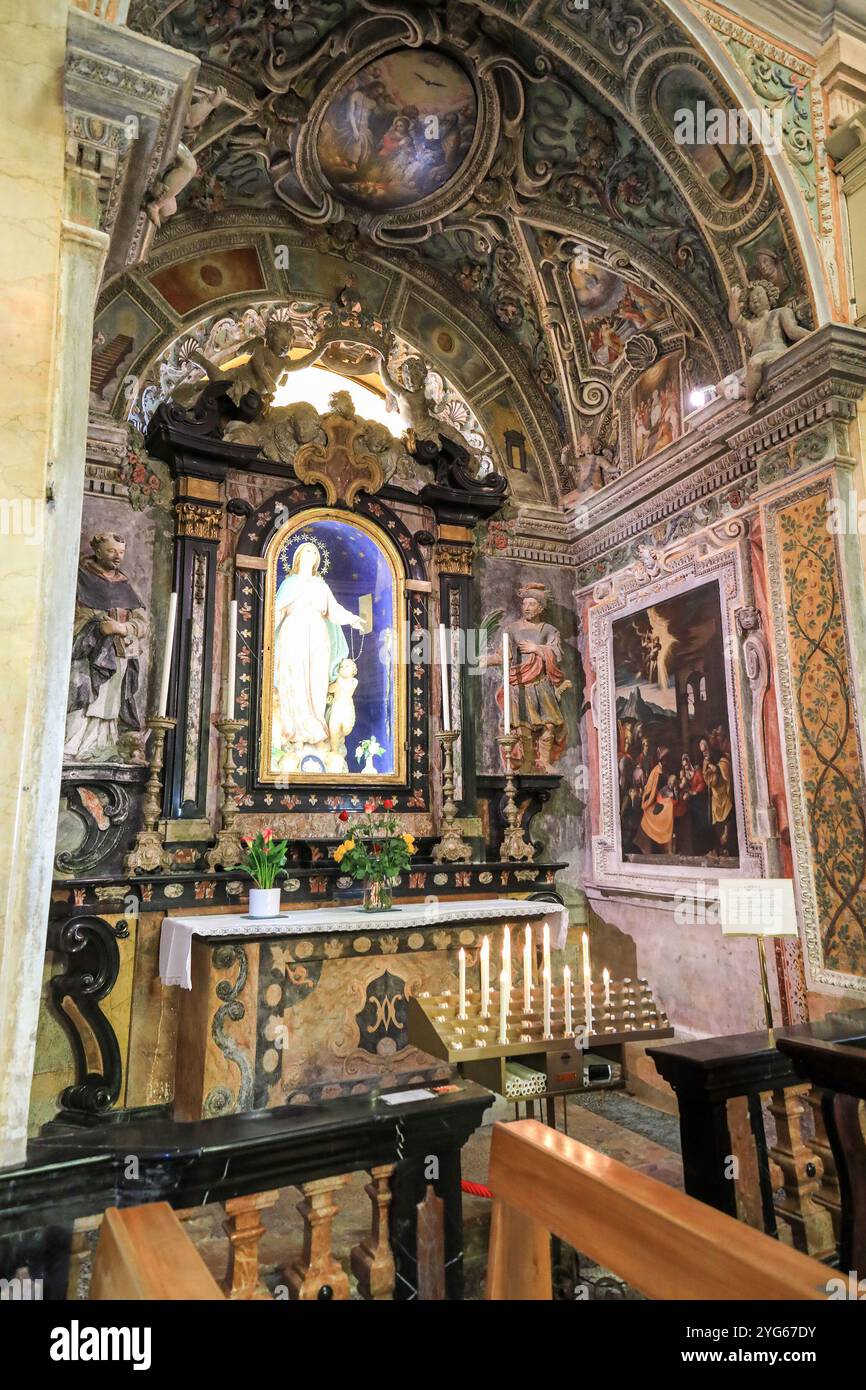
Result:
pixel 516 162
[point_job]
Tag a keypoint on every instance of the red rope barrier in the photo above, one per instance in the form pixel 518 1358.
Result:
pixel 476 1189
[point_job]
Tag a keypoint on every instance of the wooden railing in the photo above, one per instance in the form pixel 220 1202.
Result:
pixel 143 1253
pixel 661 1242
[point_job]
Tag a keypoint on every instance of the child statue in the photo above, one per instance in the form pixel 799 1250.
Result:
pixel 770 332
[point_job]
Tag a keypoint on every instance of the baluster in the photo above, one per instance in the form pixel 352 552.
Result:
pixel 244 1229
pixel 372 1260
pixel 318 1274
pixel 828 1194
pixel 806 1224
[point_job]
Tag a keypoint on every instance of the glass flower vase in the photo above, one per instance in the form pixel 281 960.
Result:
pixel 378 895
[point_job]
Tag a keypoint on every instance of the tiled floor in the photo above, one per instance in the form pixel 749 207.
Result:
pixel 612 1122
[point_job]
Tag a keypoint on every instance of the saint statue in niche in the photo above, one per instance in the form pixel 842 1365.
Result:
pixel 537 681
pixel 103 721
pixel 314 676
pixel 333 683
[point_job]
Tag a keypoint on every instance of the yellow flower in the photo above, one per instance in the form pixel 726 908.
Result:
pixel 410 843
pixel 343 849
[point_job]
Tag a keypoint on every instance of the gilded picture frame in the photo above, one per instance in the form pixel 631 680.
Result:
pixel 395 670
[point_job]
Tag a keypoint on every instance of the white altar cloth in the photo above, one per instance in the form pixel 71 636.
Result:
pixel 175 942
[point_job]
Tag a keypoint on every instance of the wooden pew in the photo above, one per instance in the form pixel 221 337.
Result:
pixel 661 1242
pixel 143 1253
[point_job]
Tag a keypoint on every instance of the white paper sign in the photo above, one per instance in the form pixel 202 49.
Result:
pixel 406 1097
pixel 757 907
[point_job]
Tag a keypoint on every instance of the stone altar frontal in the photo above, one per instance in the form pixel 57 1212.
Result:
pixel 280 1012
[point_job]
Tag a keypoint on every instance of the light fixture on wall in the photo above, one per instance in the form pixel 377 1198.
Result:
pixel 758 907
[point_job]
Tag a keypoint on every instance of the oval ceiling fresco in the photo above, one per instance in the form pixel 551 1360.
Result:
pixel 398 130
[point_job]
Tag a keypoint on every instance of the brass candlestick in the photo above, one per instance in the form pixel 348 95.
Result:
pixel 149 854
pixel 228 850
pixel 514 846
pixel 452 847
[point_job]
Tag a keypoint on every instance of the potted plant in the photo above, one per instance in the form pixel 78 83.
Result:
pixel 264 862
pixel 376 852
pixel 367 750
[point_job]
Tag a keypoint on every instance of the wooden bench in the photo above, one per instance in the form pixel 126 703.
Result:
pixel 661 1242
pixel 143 1253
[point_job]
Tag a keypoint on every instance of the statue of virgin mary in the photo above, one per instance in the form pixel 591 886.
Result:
pixel 309 646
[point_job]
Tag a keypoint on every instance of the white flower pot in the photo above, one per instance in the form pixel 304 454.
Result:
pixel 265 902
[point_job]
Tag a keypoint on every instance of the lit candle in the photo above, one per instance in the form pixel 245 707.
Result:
pixel 504 992
pixel 566 990
pixel 587 983
pixel 443 666
pixel 545 947
pixel 166 657
pixel 605 975
pixel 233 658
pixel 461 961
pixel 484 962
pixel 527 970
pixel 506 686
pixel 545 985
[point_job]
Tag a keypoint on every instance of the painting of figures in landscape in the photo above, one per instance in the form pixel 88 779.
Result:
pixel 656 407
pixel 399 129
pixel 676 786
pixel 612 310
pixel 332 685
pixel 728 169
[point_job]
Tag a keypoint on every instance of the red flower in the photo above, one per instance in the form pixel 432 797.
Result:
pixel 247 840
pixel 267 835
pixel 388 804
pixel 139 473
pixel 343 815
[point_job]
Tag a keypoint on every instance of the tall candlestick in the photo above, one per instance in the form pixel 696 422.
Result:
pixel 461 965
pixel 484 962
pixel 545 985
pixel 166 657
pixel 605 975
pixel 443 667
pixel 587 983
pixel 527 970
pixel 233 658
pixel 506 686
pixel 566 990
pixel 504 992
pixel 545 947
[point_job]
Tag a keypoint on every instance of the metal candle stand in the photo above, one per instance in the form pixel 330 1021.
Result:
pixel 149 854
pixel 514 845
pixel 473 1042
pixel 228 850
pixel 451 847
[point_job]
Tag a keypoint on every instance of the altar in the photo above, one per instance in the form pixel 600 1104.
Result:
pixel 312 1005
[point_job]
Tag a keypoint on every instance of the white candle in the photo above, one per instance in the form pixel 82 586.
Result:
pixel 484 961
pixel 506 954
pixel 545 984
pixel 527 970
pixel 545 947
pixel 443 667
pixel 605 975
pixel 166 656
pixel 506 686
pixel 587 983
pixel 504 992
pixel 566 990
pixel 461 962
pixel 233 658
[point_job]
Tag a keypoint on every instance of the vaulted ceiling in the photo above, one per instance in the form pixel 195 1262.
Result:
pixel 518 158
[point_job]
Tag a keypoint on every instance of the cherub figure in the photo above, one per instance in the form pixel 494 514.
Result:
pixel 341 715
pixel 770 332
pixel 413 406
pixel 263 370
